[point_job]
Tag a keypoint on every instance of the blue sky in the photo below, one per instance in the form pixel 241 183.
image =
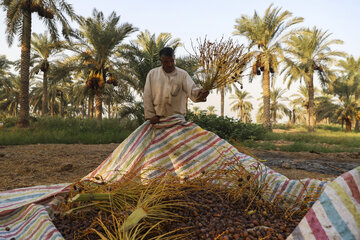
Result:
pixel 191 19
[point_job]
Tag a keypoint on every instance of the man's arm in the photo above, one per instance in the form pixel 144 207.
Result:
pixel 148 103
pixel 194 93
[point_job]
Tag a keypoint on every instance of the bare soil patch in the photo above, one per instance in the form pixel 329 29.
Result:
pixel 43 164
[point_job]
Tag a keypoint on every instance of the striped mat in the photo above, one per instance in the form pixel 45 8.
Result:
pixel 186 150
pixel 28 222
pixel 336 215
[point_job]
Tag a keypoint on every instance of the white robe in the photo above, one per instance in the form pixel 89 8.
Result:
pixel 165 93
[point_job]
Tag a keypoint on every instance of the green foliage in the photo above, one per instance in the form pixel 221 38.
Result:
pixel 8 122
pixel 259 144
pixel 281 126
pixel 228 128
pixel 329 140
pixel 334 128
pixel 67 131
pixel 303 147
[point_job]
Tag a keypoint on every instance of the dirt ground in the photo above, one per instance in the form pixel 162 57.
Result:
pixel 43 164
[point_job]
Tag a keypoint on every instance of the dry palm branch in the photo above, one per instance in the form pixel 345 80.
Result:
pixel 220 62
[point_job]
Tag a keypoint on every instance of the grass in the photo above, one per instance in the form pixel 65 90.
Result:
pixel 325 139
pixel 67 131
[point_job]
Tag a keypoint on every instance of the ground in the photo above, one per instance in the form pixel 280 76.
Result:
pixel 43 164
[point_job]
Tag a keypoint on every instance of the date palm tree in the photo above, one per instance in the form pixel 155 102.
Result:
pixel 6 86
pixel 44 48
pixel 348 108
pixel 309 53
pixel 18 22
pixel 115 96
pixel 325 108
pixel 211 110
pixel 100 38
pixel 133 110
pixel 9 96
pixel 351 70
pixel 241 104
pixel 265 33
pixel 141 55
pixel 59 85
pixel 5 65
pixel 300 102
pixel 278 109
pixel 196 109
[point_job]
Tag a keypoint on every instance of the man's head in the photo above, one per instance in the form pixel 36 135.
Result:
pixel 167 59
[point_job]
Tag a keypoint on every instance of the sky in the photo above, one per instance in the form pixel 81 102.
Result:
pixel 193 19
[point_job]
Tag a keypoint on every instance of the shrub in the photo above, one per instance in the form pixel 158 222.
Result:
pixel 332 128
pixel 228 128
pixel 281 126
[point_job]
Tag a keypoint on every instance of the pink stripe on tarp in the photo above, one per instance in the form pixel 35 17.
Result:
pixel 173 149
pixel 210 163
pixel 38 226
pixel 304 187
pixel 168 133
pixel 26 201
pixel 283 187
pixel 146 129
pixel 27 189
pixel 51 234
pixel 123 158
pixel 20 216
pixel 197 153
pixel 315 225
pixel 133 173
pixel 349 179
pixel 28 221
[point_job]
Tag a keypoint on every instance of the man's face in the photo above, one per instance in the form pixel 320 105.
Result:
pixel 168 63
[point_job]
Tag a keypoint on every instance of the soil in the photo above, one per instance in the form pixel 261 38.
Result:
pixel 43 164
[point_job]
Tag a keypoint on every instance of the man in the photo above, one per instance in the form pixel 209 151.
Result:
pixel 167 87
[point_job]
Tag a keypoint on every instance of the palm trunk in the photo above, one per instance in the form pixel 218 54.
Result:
pixel 44 95
pixel 266 96
pixel 222 101
pixel 61 107
pixel 348 124
pixel 109 110
pixel 357 120
pixel 311 106
pixel 91 106
pixel 98 104
pixel 16 110
pixel 83 109
pixel 274 118
pixel 241 113
pixel 23 120
pixel 52 106
pixel 294 116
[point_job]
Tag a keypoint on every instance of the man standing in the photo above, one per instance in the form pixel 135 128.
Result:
pixel 167 87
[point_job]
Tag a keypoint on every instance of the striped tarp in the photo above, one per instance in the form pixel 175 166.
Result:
pixel 16 198
pixel 187 150
pixel 336 215
pixel 28 222
pixel 20 218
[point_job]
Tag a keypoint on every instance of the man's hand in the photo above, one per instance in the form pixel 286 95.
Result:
pixel 154 119
pixel 203 95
